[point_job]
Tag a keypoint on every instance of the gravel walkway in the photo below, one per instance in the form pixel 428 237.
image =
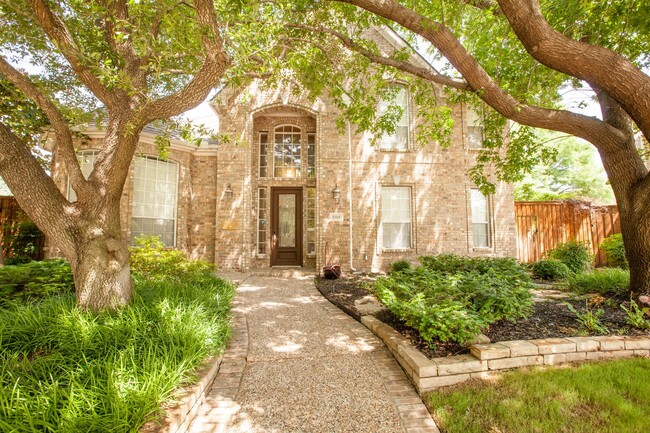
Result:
pixel 296 363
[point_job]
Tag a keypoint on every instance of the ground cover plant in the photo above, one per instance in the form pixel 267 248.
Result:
pixel 34 280
pixel 452 298
pixel 66 369
pixel 608 282
pixel 595 397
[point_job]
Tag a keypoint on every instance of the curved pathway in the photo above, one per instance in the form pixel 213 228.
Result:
pixel 296 363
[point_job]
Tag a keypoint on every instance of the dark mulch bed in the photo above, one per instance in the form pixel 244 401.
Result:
pixel 550 317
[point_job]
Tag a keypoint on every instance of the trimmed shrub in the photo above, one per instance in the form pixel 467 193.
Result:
pixel 614 250
pixel 550 269
pixel 609 281
pixel 452 298
pixel 151 259
pixel 575 255
pixel 399 266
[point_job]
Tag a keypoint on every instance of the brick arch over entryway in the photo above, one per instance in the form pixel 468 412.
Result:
pixel 283 167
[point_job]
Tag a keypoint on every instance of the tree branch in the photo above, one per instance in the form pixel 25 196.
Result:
pixel 591 129
pixel 429 74
pixel 58 122
pixel 34 190
pixel 215 63
pixel 58 33
pixel 610 71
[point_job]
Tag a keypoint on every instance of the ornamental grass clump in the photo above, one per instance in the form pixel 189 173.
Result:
pixel 65 369
pixel 452 298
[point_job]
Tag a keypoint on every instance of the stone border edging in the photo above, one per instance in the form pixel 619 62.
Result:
pixel 179 416
pixel 487 359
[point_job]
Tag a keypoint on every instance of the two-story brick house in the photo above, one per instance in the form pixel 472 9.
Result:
pixel 293 190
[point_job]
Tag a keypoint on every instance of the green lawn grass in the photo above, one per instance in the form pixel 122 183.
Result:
pixel 600 397
pixel 67 370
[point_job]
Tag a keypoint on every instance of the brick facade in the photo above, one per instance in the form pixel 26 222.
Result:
pixel 217 216
pixel 216 226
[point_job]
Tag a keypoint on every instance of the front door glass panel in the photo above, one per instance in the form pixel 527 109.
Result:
pixel 287 226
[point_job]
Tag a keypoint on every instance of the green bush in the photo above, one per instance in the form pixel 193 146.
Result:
pixel 611 282
pixel 614 250
pixel 550 269
pixel 636 316
pixel 452 298
pixel 399 266
pixel 64 369
pixel 21 240
pixel 34 280
pixel 575 255
pixel 151 259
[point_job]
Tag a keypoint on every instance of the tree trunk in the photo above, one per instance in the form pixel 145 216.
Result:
pixel 102 275
pixel 637 249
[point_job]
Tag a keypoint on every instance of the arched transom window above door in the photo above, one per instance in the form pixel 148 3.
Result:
pixel 288 152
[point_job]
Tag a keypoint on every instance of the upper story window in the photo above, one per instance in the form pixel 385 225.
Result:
pixel 396 217
pixel 399 140
pixel 480 219
pixel 474 130
pixel 155 194
pixel 264 145
pixel 287 152
pixel 86 160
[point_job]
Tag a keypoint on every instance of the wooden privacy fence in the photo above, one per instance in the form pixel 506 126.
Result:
pixel 543 225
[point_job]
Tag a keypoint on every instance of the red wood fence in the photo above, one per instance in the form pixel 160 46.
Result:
pixel 541 226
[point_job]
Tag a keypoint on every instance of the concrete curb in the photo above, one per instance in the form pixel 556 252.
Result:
pixel 486 360
pixel 179 416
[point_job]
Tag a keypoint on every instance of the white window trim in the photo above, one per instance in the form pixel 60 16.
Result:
pixel 261 241
pixel 407 114
pixel 259 156
pixel 302 159
pixel 307 229
pixel 177 164
pixel 490 224
pixel 412 226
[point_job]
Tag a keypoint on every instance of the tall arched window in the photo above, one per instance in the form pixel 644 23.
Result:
pixel 155 194
pixel 287 157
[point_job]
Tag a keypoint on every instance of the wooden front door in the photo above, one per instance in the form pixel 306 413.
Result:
pixel 286 226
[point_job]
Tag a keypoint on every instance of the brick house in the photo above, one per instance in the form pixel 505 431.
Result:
pixel 292 190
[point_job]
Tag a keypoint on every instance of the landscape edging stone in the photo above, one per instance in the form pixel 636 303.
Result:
pixel 486 360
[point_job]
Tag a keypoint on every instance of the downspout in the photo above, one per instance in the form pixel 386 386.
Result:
pixel 352 269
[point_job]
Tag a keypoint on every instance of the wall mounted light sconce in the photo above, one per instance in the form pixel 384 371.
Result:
pixel 336 194
pixel 228 191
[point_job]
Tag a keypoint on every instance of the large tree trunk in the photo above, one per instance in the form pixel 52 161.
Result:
pixel 102 275
pixel 635 230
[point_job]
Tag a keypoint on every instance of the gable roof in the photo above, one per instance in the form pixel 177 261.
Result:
pixel 4 189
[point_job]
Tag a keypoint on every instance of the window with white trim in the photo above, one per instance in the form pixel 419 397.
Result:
pixel 396 220
pixel 480 219
pixel 474 130
pixel 311 154
pixel 261 221
pixel 399 140
pixel 264 145
pixel 287 158
pixel 86 160
pixel 155 195
pixel 311 221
